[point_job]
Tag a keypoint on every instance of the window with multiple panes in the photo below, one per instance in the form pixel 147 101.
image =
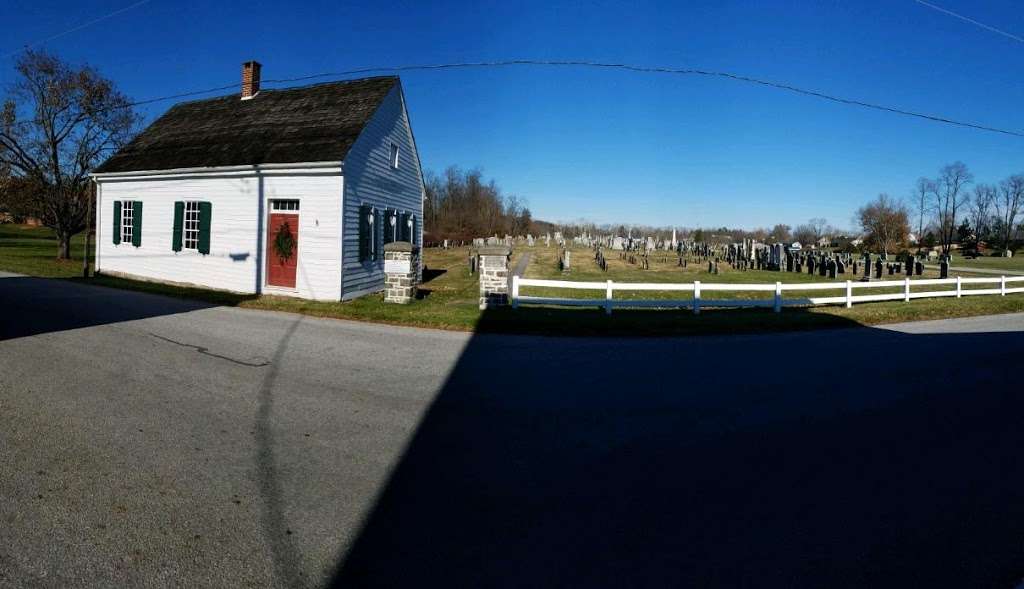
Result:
pixel 190 230
pixel 394 156
pixel 284 205
pixel 127 220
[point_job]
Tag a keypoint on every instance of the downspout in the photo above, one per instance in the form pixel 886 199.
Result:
pixel 88 223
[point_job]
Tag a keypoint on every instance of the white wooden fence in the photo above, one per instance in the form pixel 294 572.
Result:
pixel 608 302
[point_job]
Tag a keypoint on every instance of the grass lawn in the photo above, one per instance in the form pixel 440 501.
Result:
pixel 1015 263
pixel 449 296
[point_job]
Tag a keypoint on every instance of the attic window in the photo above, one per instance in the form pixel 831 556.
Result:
pixel 394 156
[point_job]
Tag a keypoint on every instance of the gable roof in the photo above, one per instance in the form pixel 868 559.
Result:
pixel 316 123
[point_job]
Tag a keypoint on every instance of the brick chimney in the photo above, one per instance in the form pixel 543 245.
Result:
pixel 250 79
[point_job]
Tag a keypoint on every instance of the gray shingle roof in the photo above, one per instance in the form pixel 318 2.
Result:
pixel 309 124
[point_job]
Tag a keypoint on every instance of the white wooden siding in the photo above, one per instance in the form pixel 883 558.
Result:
pixel 370 179
pixel 231 263
pixel 318 275
pixel 237 240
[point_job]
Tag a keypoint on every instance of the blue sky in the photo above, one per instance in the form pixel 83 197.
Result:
pixel 612 146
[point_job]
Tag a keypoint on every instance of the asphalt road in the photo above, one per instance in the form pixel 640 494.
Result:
pixel 153 442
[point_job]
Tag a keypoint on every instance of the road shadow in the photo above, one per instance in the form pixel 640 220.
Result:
pixel 849 458
pixel 32 306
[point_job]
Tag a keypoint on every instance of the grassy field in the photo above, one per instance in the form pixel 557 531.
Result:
pixel 1015 263
pixel 449 296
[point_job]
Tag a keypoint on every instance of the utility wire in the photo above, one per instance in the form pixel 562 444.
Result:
pixel 972 21
pixel 616 66
pixel 74 29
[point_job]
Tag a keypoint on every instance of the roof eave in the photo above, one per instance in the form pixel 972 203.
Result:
pixel 320 168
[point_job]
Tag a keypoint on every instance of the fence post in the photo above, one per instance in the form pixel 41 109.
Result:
pixel 1002 286
pixel 696 297
pixel 906 290
pixel 778 297
pixel 515 291
pixel 849 294
pixel 608 299
pixel 959 289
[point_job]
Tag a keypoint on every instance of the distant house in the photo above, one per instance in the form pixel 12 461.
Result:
pixel 291 192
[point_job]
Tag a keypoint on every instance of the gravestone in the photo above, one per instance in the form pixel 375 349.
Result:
pixel 841 266
pixel 918 268
pixel 878 268
pixel 810 266
pixel 943 269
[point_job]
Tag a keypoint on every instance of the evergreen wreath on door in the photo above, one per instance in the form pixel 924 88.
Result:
pixel 284 242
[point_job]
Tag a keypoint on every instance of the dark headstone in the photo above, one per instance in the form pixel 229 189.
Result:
pixel 918 268
pixel 944 269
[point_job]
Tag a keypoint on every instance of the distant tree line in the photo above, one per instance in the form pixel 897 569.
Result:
pixel 462 204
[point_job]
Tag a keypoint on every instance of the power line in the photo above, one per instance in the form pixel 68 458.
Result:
pixel 74 29
pixel 972 21
pixel 617 66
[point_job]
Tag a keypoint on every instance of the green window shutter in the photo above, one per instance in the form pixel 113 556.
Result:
pixel 137 223
pixel 117 222
pixel 377 232
pixel 179 222
pixel 365 236
pixel 403 227
pixel 205 211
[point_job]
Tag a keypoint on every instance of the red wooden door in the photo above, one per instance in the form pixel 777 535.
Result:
pixel 280 264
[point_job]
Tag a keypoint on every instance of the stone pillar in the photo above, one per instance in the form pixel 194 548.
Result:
pixel 493 270
pixel 401 269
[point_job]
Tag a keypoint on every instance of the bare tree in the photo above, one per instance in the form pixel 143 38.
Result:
pixel 949 196
pixel 805 234
pixel 885 222
pixel 57 123
pixel 1008 204
pixel 780 233
pixel 981 209
pixel 922 205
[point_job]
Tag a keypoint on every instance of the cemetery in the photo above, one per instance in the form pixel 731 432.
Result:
pixel 445 292
pixel 748 270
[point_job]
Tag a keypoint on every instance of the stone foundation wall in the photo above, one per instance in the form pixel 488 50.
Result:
pixel 401 272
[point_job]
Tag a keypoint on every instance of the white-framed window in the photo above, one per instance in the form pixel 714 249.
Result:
pixel 394 156
pixel 190 229
pixel 284 205
pixel 127 220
